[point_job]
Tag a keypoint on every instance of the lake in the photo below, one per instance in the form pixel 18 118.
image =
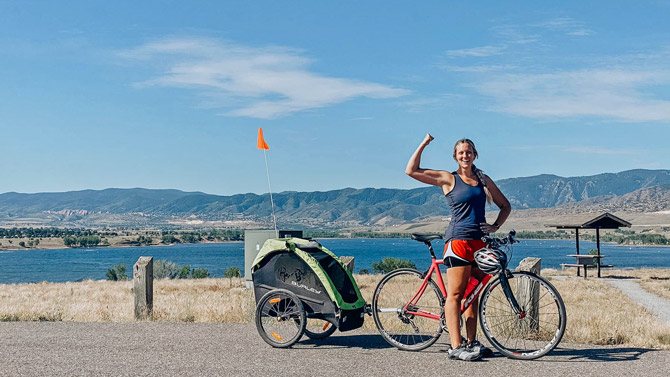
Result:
pixel 60 265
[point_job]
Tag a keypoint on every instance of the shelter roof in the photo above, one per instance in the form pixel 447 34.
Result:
pixel 604 221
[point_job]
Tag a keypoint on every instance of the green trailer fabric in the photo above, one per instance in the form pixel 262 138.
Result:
pixel 313 253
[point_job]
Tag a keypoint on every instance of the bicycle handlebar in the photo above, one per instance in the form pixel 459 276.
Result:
pixel 497 242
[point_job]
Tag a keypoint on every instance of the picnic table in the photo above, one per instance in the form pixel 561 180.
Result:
pixel 586 261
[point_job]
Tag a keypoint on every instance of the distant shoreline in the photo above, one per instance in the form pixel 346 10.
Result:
pixel 63 247
pixel 120 245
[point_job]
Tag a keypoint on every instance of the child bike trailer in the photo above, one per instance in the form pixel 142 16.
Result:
pixel 302 287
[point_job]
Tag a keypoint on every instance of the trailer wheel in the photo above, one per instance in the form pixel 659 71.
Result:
pixel 280 318
pixel 319 328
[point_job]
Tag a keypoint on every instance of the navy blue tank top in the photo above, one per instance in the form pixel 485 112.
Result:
pixel 468 210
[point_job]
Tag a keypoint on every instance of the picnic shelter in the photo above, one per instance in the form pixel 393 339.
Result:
pixel 604 221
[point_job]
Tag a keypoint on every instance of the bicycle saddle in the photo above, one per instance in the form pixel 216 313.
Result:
pixel 425 237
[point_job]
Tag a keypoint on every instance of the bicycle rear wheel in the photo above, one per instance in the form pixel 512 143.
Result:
pixel 402 330
pixel 280 318
pixel 543 324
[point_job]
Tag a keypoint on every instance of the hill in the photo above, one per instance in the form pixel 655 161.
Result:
pixel 633 190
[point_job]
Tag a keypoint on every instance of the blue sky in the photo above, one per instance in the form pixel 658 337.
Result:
pixel 162 94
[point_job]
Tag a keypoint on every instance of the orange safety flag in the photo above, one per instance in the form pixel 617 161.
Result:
pixel 261 143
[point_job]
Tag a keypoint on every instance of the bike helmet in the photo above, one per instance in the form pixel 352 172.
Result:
pixel 490 261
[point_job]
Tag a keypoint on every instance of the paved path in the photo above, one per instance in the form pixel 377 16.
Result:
pixel 192 349
pixel 656 304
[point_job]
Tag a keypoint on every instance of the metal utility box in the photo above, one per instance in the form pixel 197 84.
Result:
pixel 254 240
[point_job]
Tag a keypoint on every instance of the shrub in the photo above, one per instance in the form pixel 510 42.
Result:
pixel 364 271
pixel 184 272
pixel 165 269
pixel 232 272
pixel 117 273
pixel 388 264
pixel 22 244
pixel 199 273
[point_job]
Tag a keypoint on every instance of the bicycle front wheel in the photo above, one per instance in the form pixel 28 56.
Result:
pixel 543 322
pixel 400 328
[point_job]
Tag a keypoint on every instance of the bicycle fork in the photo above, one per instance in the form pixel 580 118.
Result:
pixel 504 284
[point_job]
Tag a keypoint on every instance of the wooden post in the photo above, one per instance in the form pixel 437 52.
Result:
pixel 348 263
pixel 598 246
pixel 528 292
pixel 143 286
pixel 530 264
pixel 577 238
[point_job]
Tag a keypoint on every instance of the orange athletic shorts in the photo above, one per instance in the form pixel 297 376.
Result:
pixel 463 249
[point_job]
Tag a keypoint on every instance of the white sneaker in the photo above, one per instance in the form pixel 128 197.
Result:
pixel 475 346
pixel 463 353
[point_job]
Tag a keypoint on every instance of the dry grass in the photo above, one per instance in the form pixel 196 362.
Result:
pixel 654 280
pixel 600 314
pixel 193 300
pixel 597 312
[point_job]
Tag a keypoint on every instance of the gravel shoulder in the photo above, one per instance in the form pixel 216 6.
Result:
pixel 196 349
pixel 656 304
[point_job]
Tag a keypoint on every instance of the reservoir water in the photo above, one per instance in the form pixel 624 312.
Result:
pixel 60 265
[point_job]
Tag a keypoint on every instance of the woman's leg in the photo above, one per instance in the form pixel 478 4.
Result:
pixel 457 281
pixel 471 312
pixel 471 321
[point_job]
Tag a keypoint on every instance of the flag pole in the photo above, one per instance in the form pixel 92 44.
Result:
pixel 264 146
pixel 272 204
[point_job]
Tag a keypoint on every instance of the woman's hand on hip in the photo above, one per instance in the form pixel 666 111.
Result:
pixel 489 228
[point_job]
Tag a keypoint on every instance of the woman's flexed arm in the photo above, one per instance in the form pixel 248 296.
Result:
pixel 437 178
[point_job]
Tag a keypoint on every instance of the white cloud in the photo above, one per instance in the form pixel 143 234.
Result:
pixel 598 150
pixel 580 149
pixel 476 51
pixel 616 94
pixel 566 25
pixel 477 68
pixel 266 82
pixel 439 101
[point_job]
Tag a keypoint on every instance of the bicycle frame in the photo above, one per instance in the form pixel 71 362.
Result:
pixel 471 293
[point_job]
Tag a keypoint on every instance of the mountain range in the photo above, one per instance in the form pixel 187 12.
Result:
pixel 632 190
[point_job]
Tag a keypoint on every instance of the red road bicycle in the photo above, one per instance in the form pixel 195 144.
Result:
pixel 521 314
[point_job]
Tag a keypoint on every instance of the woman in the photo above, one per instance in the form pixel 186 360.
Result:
pixel 467 190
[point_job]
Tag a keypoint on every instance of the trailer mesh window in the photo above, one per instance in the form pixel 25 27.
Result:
pixel 336 273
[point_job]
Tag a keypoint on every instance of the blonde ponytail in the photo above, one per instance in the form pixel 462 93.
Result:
pixel 480 175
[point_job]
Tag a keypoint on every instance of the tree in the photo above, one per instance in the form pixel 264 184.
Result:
pixel 169 239
pixel 88 241
pixel 70 241
pixel 190 237
pixel 144 240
